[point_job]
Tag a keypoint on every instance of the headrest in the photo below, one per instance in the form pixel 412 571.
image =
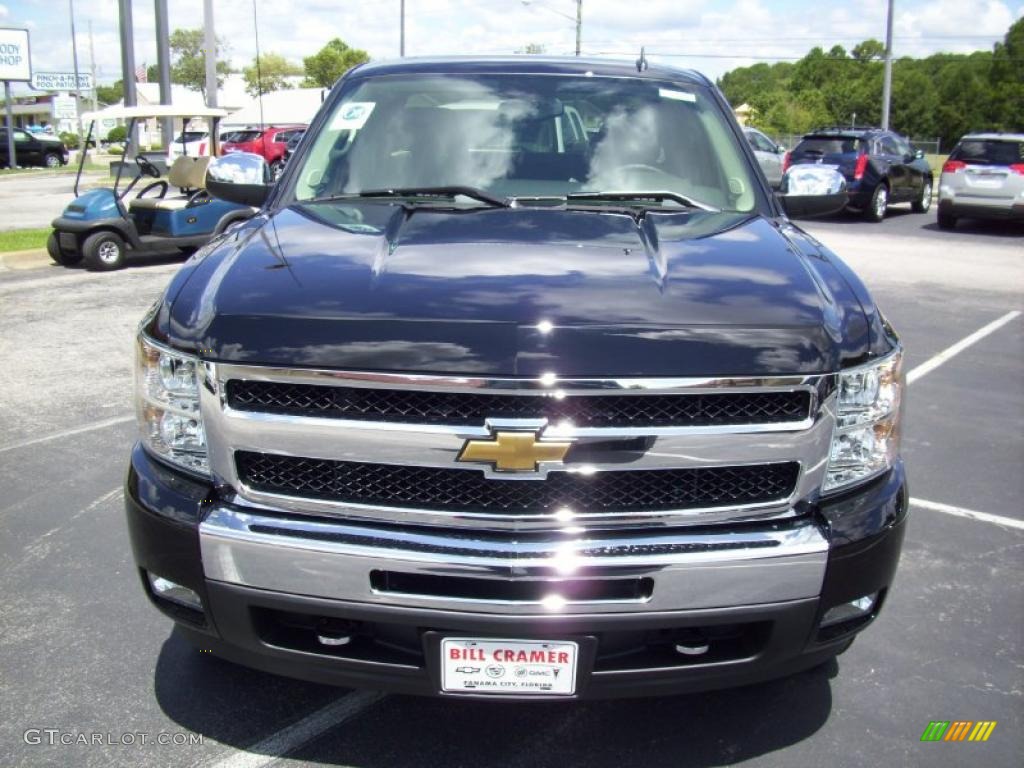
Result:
pixel 178 176
pixel 197 176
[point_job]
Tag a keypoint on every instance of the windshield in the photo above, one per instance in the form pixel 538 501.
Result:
pixel 523 136
pixel 840 145
pixel 989 152
pixel 188 136
pixel 239 137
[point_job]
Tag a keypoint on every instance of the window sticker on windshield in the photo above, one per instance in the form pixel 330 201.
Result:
pixel 352 116
pixel 665 93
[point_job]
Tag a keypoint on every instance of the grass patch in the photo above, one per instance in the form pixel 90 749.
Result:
pixel 69 169
pixel 23 239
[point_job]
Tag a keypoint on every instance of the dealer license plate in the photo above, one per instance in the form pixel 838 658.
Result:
pixel 519 667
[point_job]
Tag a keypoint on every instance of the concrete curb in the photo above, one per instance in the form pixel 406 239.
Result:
pixel 30 259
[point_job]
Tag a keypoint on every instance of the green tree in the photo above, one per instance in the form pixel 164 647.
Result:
pixel 868 50
pixel 332 61
pixel 110 94
pixel 188 60
pixel 1006 81
pixel 271 74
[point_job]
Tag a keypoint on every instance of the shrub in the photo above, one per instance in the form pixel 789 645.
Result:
pixel 118 133
pixel 70 140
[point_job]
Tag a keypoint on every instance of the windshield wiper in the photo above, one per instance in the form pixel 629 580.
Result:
pixel 452 191
pixel 642 197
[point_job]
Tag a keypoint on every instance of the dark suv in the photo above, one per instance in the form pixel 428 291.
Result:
pixel 880 167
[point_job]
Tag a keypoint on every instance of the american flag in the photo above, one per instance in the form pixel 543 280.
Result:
pixel 140 74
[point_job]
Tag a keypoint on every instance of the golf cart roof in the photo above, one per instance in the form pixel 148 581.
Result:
pixel 119 112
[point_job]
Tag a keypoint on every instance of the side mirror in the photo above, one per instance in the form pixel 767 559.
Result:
pixel 241 177
pixel 808 191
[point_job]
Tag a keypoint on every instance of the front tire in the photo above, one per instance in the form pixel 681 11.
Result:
pixel 58 256
pixel 104 251
pixel 50 160
pixel 947 221
pixel 875 210
pixel 924 200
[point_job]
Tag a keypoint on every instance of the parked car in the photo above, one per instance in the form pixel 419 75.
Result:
pixel 769 154
pixel 33 149
pixel 190 144
pixel 290 147
pixel 983 179
pixel 479 406
pixel 881 168
pixel 269 143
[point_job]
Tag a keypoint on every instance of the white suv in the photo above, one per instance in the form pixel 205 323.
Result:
pixel 983 179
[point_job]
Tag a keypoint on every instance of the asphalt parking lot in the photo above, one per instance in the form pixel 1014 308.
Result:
pixel 82 652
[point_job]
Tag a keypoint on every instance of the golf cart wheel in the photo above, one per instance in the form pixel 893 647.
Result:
pixel 51 160
pixel 104 251
pixel 875 210
pixel 924 202
pixel 946 221
pixel 58 256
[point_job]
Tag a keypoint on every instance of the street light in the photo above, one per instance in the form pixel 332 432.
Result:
pixel 578 19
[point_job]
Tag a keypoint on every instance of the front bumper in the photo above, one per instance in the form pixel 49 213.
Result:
pixel 269 583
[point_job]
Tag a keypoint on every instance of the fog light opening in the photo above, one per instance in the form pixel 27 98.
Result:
pixel 175 593
pixel 333 640
pixel 855 609
pixel 692 649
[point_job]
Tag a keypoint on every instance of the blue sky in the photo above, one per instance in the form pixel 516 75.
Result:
pixel 710 35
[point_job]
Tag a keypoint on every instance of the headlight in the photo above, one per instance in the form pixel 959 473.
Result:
pixel 167 405
pixel 866 438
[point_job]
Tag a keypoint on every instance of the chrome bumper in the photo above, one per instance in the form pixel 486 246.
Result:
pixel 334 559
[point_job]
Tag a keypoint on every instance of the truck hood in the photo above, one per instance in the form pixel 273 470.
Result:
pixel 517 292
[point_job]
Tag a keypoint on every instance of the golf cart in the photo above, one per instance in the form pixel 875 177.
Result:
pixel 159 217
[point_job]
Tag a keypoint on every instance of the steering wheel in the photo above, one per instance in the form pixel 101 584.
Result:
pixel 146 168
pixel 637 167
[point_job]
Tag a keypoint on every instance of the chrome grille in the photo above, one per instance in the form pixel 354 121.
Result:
pixel 646 453
pixel 470 408
pixel 468 490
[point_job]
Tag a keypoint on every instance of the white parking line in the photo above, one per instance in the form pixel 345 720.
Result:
pixel 304 731
pixel 984 517
pixel 930 365
pixel 68 433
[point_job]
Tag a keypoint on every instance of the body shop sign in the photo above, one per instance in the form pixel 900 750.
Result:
pixel 14 58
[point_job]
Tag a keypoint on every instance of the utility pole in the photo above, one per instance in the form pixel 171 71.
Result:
pixel 579 24
pixel 124 8
pixel 210 46
pixel 401 26
pixel 78 85
pixel 887 80
pixel 92 68
pixel 163 68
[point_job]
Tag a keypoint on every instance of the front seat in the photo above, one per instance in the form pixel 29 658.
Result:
pixel 180 175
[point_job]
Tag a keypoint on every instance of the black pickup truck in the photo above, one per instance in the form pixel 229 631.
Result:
pixel 521 384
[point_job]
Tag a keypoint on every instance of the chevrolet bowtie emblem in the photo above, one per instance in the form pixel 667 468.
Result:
pixel 514 451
